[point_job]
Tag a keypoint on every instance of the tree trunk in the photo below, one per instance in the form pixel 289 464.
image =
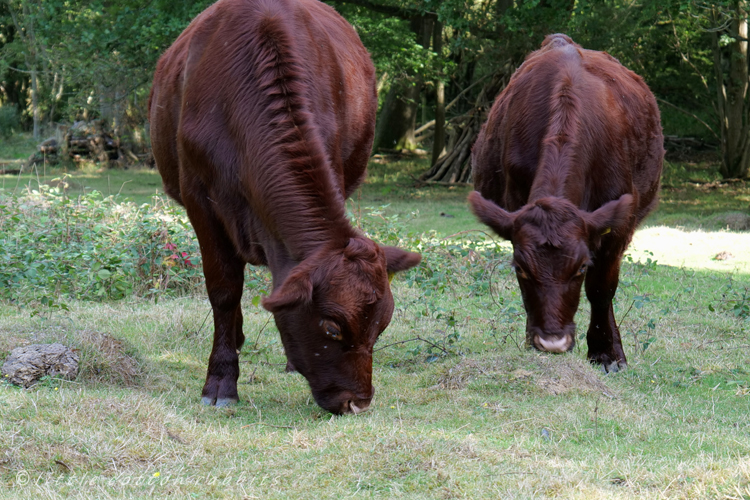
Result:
pixel 732 96
pixel 35 111
pixel 26 34
pixel 438 144
pixel 455 166
pixel 398 117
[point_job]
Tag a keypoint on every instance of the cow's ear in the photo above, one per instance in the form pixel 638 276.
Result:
pixel 610 217
pixel 488 212
pixel 398 260
pixel 296 289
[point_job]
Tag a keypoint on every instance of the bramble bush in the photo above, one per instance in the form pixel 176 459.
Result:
pixel 466 268
pixel 54 247
pixel 93 248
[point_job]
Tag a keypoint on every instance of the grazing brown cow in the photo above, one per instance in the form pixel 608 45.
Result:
pixel 262 115
pixel 570 157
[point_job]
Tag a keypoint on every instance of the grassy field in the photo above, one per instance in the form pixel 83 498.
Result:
pixel 462 408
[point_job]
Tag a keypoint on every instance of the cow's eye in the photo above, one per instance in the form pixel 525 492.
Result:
pixel 520 272
pixel 582 271
pixel 332 330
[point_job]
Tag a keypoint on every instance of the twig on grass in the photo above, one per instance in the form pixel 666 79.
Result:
pixel 63 464
pixel 622 319
pixel 509 335
pixel 261 330
pixel 417 338
pixel 461 233
pixel 270 425
pixel 490 284
pixel 204 322
pixel 736 347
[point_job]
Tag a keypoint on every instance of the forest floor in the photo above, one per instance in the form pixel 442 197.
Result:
pixel 462 408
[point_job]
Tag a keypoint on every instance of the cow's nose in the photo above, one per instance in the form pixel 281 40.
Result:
pixel 358 406
pixel 559 344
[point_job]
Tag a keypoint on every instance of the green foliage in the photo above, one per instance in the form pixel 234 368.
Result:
pixel 735 300
pixel 92 248
pixel 95 56
pixel 8 121
pixel 463 269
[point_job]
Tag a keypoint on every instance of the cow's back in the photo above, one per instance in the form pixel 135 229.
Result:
pixel 209 99
pixel 564 96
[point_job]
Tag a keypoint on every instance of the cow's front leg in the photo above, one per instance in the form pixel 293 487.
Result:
pixel 603 337
pixel 224 272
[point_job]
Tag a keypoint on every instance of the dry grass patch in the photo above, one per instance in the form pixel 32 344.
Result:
pixel 102 357
pixel 553 374
pixel 105 359
pixel 563 374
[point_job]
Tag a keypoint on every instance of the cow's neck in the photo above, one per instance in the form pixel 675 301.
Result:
pixel 297 199
pixel 298 235
pixel 558 174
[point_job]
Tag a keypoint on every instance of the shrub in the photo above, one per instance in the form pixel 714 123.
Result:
pixel 8 121
pixel 93 248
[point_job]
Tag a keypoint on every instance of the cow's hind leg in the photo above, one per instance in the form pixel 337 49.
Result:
pixel 603 337
pixel 224 272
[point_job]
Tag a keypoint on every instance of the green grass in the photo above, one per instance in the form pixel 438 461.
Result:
pixel 16 147
pixel 692 197
pixel 138 185
pixel 479 416
pixel 489 420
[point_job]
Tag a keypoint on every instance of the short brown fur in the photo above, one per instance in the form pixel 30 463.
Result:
pixel 262 118
pixel 568 164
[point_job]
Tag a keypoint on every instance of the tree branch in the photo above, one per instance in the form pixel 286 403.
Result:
pixel 450 105
pixel 690 114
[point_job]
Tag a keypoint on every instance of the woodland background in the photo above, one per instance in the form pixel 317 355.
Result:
pixel 440 63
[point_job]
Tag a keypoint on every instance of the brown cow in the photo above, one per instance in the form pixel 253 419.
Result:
pixel 262 115
pixel 572 149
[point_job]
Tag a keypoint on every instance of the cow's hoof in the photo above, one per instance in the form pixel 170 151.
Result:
pixel 614 367
pixel 609 363
pixel 219 403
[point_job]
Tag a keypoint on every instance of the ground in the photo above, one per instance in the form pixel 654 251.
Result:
pixel 462 408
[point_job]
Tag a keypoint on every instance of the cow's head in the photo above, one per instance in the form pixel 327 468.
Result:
pixel 552 248
pixel 330 310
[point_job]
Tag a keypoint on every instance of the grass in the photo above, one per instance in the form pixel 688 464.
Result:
pixel 16 147
pixel 478 416
pixel 692 196
pixel 489 420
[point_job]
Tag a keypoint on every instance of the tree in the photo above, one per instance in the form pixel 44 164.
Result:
pixel 503 32
pixel 90 59
pixel 398 35
pixel 26 16
pixel 729 44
